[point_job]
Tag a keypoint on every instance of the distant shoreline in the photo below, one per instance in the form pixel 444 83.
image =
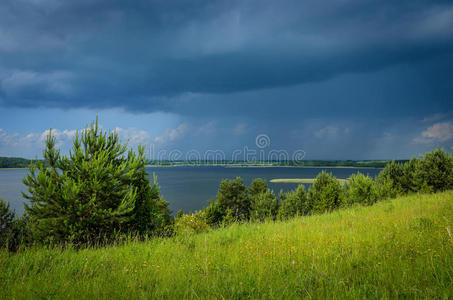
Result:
pixel 241 166
pixel 264 166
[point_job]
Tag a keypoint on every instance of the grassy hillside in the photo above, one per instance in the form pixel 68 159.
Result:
pixel 395 248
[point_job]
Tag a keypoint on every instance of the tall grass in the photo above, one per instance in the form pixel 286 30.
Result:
pixel 396 248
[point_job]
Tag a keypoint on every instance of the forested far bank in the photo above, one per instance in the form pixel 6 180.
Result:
pixel 14 162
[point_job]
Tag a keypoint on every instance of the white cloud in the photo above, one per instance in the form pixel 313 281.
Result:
pixel 439 132
pixel 172 134
pixel 134 135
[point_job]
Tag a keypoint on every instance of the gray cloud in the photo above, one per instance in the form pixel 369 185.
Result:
pixel 179 56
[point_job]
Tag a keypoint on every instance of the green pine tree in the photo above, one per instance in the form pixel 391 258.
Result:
pixel 91 195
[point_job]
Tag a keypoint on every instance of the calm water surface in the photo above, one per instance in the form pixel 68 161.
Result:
pixel 189 188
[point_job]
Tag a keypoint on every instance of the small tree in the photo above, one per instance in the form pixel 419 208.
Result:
pixel 257 187
pixel 232 195
pixel 264 206
pixel 325 194
pixel 393 175
pixel 360 189
pixel 294 203
pixel 412 179
pixel 96 192
pixel 214 213
pixel 436 169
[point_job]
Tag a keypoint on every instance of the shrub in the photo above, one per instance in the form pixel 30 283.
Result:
pixel 385 187
pixel 214 213
pixel 14 232
pixel 7 217
pixel 193 223
pixel 325 194
pixel 97 192
pixel 411 180
pixel 360 189
pixel 294 203
pixel 232 195
pixel 390 179
pixel 264 206
pixel 436 169
pixel 257 187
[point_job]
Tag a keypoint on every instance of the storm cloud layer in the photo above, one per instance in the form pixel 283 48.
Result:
pixel 336 74
pixel 157 55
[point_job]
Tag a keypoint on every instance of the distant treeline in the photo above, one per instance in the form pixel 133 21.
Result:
pixel 14 162
pixel 17 162
pixel 305 163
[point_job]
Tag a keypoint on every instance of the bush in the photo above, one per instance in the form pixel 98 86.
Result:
pixel 214 213
pixel 436 169
pixel 392 175
pixel 257 187
pixel 193 223
pixel 14 232
pixel 232 195
pixel 7 218
pixel 360 189
pixel 264 206
pixel 411 181
pixel 325 194
pixel 294 203
pixel 97 192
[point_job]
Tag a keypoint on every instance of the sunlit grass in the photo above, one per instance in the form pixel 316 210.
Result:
pixel 396 248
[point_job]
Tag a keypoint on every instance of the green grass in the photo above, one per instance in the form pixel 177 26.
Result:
pixel 396 248
pixel 300 180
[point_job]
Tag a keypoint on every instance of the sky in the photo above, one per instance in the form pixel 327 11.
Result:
pixel 334 79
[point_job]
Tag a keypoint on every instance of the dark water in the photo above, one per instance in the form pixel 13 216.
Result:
pixel 189 188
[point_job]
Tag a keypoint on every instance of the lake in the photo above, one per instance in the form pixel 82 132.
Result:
pixel 189 188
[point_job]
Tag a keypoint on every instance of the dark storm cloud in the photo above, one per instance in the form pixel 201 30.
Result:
pixel 186 56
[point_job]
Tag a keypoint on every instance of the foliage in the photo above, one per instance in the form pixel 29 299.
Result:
pixel 392 174
pixel 360 189
pixel 14 232
pixel 7 217
pixel 214 213
pixel 294 203
pixel 436 169
pixel 264 206
pixel 325 194
pixel 411 180
pixel 193 223
pixel 385 187
pixel 257 187
pixel 232 195
pixel 14 162
pixel 92 195
pixel 151 213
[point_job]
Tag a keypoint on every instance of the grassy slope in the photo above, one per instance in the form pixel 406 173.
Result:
pixel 395 248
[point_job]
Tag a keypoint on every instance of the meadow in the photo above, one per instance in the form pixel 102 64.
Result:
pixel 396 248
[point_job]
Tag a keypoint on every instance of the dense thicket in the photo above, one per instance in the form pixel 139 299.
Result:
pixel 431 172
